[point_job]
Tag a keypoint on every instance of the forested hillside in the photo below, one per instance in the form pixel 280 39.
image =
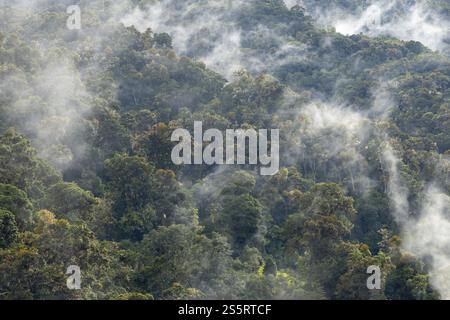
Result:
pixel 86 176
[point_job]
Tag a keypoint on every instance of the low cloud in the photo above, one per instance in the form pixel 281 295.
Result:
pixel 211 31
pixel 405 20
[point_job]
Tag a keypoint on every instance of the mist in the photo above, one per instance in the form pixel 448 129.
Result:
pixel 424 233
pixel 428 237
pixel 405 20
pixel 318 133
pixel 49 106
pixel 211 31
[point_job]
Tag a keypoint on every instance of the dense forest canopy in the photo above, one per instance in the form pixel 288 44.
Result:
pixel 86 177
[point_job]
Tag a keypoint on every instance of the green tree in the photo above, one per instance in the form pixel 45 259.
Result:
pixel 9 232
pixel 16 159
pixel 242 215
pixel 17 202
pixel 129 179
pixel 70 201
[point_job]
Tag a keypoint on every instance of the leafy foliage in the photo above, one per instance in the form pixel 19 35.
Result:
pixel 95 186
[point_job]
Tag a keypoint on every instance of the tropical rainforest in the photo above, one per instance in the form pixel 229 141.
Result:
pixel 360 91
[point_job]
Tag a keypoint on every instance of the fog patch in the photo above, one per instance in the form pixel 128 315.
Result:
pixel 405 20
